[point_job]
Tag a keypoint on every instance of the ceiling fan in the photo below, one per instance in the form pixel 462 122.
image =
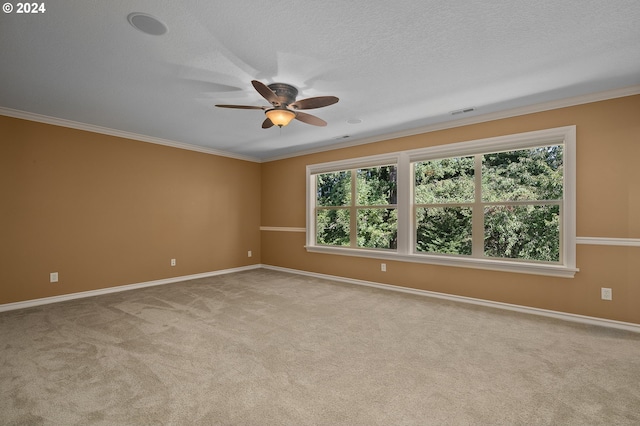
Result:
pixel 284 106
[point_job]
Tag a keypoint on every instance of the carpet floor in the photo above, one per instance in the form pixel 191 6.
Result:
pixel 269 348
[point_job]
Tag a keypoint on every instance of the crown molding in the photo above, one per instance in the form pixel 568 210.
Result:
pixel 530 109
pixel 119 133
pixel 545 106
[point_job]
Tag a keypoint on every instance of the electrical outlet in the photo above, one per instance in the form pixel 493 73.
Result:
pixel 606 293
pixel 383 267
pixel 249 253
pixel 173 262
pixel 53 277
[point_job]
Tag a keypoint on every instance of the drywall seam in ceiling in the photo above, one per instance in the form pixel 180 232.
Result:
pixel 546 106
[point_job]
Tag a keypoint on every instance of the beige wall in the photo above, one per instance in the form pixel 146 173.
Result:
pixel 608 205
pixel 104 211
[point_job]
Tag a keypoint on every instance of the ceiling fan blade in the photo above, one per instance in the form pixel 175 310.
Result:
pixel 242 107
pixel 267 123
pixel 310 119
pixel 317 102
pixel 266 93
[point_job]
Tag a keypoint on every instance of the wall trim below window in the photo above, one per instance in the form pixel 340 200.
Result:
pixel 596 241
pixel 565 316
pixel 454 261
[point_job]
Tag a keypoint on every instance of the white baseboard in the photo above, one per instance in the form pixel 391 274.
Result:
pixel 108 290
pixel 488 303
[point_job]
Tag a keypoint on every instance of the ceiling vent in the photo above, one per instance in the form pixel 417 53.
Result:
pixel 463 111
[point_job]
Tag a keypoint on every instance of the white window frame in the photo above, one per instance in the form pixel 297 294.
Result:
pixel 353 207
pixel 405 251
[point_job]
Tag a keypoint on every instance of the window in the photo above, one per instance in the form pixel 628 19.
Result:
pixel 505 203
pixel 443 201
pixel 497 205
pixel 357 208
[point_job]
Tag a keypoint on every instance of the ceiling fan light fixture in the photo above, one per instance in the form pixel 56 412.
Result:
pixel 284 106
pixel 280 117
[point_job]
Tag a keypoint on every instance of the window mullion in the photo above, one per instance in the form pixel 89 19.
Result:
pixel 477 230
pixel 404 182
pixel 312 208
pixel 353 216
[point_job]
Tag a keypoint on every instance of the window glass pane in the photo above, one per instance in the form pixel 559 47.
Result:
pixel 444 230
pixel 332 227
pixel 377 186
pixel 522 232
pixel 449 180
pixel 378 228
pixel 529 174
pixel 333 189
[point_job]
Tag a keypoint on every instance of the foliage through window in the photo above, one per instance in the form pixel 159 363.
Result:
pixel 504 203
pixel 515 197
pixel 357 208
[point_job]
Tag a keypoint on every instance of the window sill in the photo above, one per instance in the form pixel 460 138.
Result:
pixel 546 269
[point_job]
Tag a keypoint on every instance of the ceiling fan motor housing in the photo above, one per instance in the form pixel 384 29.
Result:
pixel 285 92
pixel 284 106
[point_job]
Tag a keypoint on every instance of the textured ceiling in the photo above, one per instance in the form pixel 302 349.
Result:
pixel 394 65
